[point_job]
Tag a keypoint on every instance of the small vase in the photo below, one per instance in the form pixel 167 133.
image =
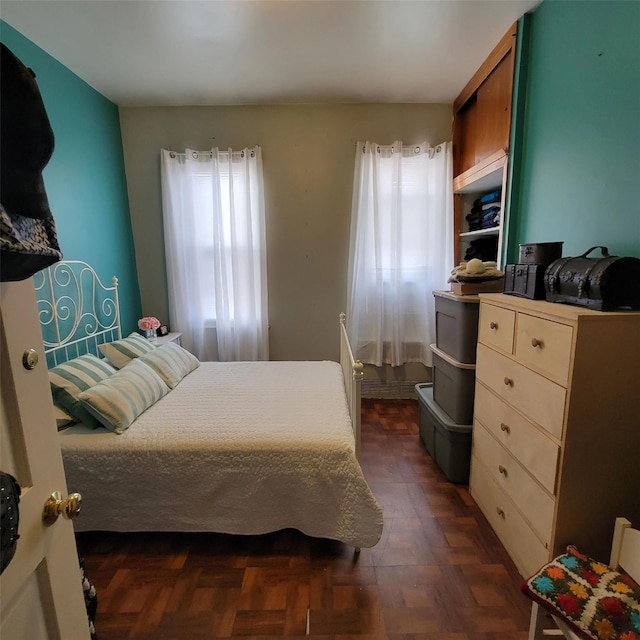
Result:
pixel 150 334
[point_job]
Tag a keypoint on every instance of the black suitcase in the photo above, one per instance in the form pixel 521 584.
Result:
pixel 525 280
pixel 603 284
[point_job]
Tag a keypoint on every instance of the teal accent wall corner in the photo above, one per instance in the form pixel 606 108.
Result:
pixel 85 178
pixel 510 245
pixel 580 141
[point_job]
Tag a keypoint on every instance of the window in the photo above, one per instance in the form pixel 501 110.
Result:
pixel 401 249
pixel 213 207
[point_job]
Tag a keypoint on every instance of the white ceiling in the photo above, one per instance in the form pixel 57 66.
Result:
pixel 188 52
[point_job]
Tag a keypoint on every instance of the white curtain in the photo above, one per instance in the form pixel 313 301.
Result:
pixel 214 230
pixel 401 249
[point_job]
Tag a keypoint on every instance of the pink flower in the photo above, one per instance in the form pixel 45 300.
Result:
pixel 148 322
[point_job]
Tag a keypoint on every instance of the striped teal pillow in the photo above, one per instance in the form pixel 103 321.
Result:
pixel 119 400
pixel 121 352
pixel 70 379
pixel 171 362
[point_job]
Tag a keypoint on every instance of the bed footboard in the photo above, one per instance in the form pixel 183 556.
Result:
pixel 353 373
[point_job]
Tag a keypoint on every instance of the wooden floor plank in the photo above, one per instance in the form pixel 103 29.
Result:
pixel 438 572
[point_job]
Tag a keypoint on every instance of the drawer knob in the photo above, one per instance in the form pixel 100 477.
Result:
pixel 500 512
pixel 493 325
pixel 505 427
pixel 508 382
pixel 536 343
pixel 502 470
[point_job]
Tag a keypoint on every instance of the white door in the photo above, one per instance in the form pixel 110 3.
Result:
pixel 40 590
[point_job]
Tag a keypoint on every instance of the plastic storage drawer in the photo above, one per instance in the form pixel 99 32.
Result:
pixel 448 443
pixel 457 325
pixel 453 386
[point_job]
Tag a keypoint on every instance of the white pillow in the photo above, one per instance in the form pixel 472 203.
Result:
pixel 121 352
pixel 117 401
pixel 69 379
pixel 171 362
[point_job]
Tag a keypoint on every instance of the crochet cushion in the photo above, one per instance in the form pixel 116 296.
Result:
pixel 596 601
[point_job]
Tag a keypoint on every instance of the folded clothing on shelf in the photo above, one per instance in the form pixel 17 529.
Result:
pixel 482 248
pixel 494 196
pixel 485 212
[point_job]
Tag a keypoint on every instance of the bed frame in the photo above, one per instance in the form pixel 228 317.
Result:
pixel 78 313
pixel 353 373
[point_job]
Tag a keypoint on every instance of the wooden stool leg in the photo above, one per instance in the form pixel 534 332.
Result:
pixel 536 629
pixel 542 625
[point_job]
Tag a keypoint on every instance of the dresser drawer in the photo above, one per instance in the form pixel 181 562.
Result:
pixel 522 544
pixel 535 504
pixel 496 327
pixel 544 346
pixel 539 399
pixel 535 450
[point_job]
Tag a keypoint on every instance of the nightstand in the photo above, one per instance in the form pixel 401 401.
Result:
pixel 173 336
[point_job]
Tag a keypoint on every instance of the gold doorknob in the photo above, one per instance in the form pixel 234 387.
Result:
pixel 55 506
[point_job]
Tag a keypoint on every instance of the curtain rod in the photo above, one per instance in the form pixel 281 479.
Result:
pixel 417 148
pixel 196 154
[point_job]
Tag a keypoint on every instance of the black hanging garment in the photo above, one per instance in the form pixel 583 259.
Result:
pixel 28 240
pixel 90 600
pixel 9 518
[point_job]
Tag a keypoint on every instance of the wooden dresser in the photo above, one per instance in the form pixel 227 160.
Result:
pixel 556 438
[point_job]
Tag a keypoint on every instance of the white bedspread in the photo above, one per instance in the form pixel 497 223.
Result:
pixel 241 448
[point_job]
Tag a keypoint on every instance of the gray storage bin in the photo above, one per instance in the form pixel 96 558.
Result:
pixel 448 443
pixel 427 424
pixel 453 386
pixel 457 325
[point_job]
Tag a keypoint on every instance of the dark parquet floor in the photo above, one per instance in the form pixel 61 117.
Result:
pixel 438 573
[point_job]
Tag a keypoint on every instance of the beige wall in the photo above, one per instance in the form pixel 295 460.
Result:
pixel 308 154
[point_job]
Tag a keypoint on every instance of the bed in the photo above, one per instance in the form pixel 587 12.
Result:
pixel 239 447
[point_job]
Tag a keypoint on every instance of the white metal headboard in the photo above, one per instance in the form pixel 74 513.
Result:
pixel 77 312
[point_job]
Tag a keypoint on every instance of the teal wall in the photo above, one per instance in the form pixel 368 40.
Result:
pixel 85 178
pixel 579 180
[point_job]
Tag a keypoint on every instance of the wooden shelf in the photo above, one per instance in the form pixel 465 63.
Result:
pixel 470 235
pixel 487 176
pixel 484 176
